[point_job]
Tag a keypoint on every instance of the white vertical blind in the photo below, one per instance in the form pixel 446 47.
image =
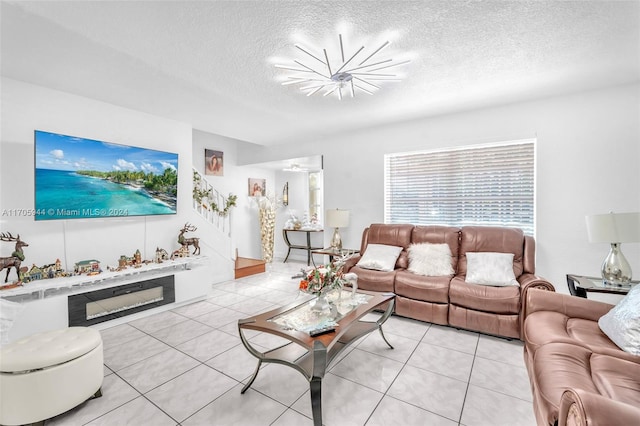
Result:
pixel 491 185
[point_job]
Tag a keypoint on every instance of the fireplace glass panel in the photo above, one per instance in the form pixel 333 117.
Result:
pixel 114 302
pixel 123 302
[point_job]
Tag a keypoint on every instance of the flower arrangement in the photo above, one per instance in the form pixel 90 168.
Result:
pixel 322 278
pixel 327 277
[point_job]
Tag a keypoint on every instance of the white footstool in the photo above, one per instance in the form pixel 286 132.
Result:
pixel 48 373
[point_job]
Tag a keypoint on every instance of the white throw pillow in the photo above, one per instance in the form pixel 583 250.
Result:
pixel 490 268
pixel 622 323
pixel 380 257
pixel 431 260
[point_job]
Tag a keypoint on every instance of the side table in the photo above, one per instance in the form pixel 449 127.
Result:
pixel 579 285
pixel 308 247
pixel 331 252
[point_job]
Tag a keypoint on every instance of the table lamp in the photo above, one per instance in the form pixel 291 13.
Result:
pixel 614 228
pixel 337 219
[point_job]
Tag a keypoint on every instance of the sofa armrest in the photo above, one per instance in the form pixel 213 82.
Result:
pixel 571 306
pixel 531 282
pixel 528 281
pixel 582 408
pixel 350 263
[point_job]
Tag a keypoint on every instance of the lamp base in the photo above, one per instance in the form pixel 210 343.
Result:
pixel 336 240
pixel 615 268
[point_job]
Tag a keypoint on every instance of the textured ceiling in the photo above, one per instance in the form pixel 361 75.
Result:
pixel 210 63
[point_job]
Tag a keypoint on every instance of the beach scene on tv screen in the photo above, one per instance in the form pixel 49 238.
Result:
pixel 85 178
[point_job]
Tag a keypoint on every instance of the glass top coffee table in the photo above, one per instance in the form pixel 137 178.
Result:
pixel 295 322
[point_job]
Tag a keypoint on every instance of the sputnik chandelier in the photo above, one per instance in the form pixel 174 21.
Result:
pixel 341 75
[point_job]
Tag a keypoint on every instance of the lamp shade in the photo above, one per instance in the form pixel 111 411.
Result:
pixel 614 228
pixel 337 218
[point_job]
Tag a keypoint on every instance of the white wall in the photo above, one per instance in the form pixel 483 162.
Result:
pixel 26 108
pixel 588 152
pixel 244 218
pixel 298 206
pixel 245 229
pixel 588 156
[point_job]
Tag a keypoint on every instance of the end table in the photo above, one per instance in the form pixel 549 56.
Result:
pixel 579 285
pixel 331 252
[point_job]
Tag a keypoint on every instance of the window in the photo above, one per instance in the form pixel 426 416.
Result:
pixel 491 185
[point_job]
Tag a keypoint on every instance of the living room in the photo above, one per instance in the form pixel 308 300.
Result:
pixel 583 113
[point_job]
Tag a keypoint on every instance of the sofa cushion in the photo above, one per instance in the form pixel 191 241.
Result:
pixel 389 234
pixel 435 234
pixel 492 239
pixel 489 268
pixel 374 280
pixel 380 257
pixel 436 313
pixel 431 260
pixel 544 327
pixel 559 366
pixel 417 287
pixel 506 325
pixel 499 300
pixel 622 323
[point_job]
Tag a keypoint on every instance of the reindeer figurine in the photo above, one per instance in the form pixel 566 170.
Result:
pixel 186 242
pixel 16 257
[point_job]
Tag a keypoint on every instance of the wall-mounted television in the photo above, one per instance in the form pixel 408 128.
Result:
pixel 78 178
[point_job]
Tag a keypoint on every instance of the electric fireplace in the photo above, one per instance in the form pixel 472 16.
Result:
pixel 103 305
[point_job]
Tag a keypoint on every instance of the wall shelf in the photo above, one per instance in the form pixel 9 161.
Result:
pixel 51 287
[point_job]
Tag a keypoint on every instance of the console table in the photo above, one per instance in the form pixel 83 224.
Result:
pixel 307 247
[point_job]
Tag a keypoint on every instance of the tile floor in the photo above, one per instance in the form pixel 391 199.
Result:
pixel 186 366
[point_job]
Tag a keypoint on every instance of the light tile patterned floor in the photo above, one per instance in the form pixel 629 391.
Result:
pixel 187 366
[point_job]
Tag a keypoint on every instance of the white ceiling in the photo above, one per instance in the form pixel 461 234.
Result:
pixel 210 63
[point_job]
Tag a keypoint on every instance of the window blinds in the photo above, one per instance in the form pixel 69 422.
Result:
pixel 489 185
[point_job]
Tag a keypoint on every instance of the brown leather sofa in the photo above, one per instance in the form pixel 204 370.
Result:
pixel 449 300
pixel 578 375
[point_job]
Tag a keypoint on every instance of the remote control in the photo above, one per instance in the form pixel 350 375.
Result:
pixel 320 331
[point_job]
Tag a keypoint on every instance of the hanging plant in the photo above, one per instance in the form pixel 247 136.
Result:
pixel 231 202
pixel 200 194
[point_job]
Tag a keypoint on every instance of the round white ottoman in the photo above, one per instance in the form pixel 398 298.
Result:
pixel 48 373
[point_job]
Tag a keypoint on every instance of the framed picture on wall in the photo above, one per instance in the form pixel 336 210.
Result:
pixel 213 162
pixel 257 187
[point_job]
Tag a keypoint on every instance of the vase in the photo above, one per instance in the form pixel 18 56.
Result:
pixel 267 219
pixel 320 303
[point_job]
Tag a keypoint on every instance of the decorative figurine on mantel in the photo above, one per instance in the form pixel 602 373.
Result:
pixel 137 258
pixel 161 255
pixel 89 267
pixel 186 242
pixel 181 252
pixel 16 257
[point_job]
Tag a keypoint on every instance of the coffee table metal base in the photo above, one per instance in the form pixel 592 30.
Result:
pixel 313 364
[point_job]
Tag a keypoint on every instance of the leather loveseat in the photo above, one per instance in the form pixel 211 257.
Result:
pixel 450 299
pixel 578 375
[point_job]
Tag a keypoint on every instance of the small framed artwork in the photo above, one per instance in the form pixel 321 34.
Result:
pixel 213 162
pixel 257 187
